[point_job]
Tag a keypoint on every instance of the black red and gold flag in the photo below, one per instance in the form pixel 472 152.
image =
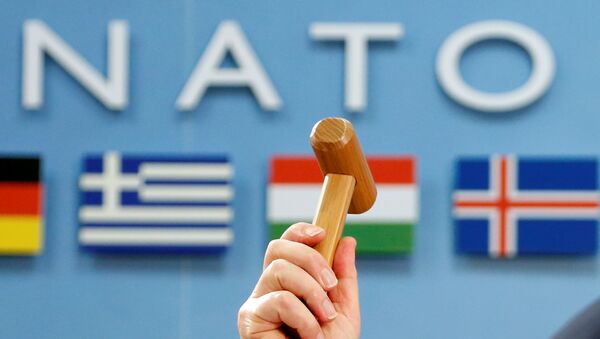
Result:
pixel 21 206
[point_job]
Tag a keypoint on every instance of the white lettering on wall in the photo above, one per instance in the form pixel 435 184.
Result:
pixel 356 37
pixel 39 40
pixel 452 82
pixel 229 37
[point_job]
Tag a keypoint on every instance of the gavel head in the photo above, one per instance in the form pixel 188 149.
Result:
pixel 338 152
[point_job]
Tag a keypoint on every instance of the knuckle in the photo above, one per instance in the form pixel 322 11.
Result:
pixel 277 268
pixel 285 299
pixel 295 228
pixel 296 232
pixel 272 246
pixel 275 247
pixel 272 250
pixel 247 309
pixel 243 314
pixel 278 265
pixel 245 323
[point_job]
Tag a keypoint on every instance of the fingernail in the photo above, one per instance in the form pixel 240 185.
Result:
pixel 311 231
pixel 320 336
pixel 328 278
pixel 329 309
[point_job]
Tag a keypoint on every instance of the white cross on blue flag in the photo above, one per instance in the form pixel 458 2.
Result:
pixel 139 203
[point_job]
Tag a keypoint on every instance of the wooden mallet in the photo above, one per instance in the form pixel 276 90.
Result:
pixel 348 185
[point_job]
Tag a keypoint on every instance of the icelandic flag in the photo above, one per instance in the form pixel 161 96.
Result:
pixel 506 206
pixel 155 203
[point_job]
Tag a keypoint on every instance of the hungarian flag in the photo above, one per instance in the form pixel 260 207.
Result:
pixel 21 221
pixel 295 186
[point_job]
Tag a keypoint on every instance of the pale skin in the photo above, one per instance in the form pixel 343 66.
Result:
pixel 298 295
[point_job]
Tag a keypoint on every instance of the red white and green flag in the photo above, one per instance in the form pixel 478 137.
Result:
pixel 295 186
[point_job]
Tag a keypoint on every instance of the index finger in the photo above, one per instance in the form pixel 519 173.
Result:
pixel 305 233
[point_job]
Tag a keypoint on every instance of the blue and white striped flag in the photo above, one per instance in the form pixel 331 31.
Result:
pixel 155 203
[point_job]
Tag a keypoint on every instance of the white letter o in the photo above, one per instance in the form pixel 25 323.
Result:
pixel 540 79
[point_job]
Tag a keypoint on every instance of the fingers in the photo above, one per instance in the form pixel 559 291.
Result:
pixel 284 307
pixel 298 290
pixel 345 294
pixel 302 232
pixel 344 263
pixel 304 257
pixel 283 275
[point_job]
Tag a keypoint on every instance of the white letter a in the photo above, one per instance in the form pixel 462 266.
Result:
pixel 229 38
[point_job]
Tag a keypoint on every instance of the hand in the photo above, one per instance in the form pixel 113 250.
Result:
pixel 298 295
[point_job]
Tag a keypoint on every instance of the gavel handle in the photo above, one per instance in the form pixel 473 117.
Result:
pixel 331 211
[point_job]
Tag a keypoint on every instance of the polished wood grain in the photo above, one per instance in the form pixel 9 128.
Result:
pixel 338 151
pixel 348 187
pixel 331 211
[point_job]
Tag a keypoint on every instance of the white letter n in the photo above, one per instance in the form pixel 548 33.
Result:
pixel 39 39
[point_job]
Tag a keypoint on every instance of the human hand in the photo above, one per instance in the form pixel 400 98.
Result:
pixel 298 295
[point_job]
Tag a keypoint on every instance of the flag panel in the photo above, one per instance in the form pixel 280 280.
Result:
pixel 472 236
pixel 473 174
pixel 392 170
pixel 19 169
pixel 298 202
pixel 371 238
pixel 20 198
pixel 148 203
pixel 526 206
pixel 295 186
pixel 561 236
pixel 548 174
pixel 295 170
pixel 20 235
pixel 21 206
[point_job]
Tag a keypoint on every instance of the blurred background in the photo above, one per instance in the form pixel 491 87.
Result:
pixel 431 293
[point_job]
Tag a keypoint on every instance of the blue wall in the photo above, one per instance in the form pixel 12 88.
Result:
pixel 432 294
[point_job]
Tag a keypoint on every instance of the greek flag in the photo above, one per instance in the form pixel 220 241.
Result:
pixel 138 203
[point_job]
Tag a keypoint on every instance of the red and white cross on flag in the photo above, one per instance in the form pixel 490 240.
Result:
pixel 510 199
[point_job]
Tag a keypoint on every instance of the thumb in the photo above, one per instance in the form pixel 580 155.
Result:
pixel 345 294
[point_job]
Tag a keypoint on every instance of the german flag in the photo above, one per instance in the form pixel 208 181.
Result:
pixel 21 211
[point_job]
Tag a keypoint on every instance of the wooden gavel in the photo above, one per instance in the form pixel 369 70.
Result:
pixel 348 187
